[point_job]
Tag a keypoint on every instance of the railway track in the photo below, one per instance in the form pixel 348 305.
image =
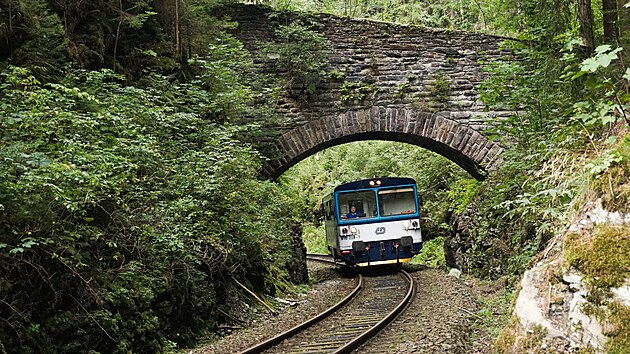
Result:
pixel 376 300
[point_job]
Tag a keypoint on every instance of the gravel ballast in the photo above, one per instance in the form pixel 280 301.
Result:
pixel 439 320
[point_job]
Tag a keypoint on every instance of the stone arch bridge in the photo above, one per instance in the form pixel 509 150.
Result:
pixel 389 82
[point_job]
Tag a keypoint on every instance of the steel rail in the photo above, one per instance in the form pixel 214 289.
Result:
pixel 262 346
pixel 372 331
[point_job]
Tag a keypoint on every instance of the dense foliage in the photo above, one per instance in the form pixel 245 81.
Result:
pixel 126 212
pixel 129 205
pixel 123 212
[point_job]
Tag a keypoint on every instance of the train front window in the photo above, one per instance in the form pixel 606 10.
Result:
pixel 361 204
pixel 397 201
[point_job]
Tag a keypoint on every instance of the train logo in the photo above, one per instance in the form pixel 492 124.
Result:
pixel 380 230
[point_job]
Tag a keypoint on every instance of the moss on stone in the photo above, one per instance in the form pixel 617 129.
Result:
pixel 619 318
pixel 440 87
pixel 507 337
pixel 515 339
pixel 603 257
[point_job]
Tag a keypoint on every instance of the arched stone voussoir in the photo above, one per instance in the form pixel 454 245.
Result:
pixel 457 142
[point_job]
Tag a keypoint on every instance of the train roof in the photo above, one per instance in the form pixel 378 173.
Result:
pixel 365 183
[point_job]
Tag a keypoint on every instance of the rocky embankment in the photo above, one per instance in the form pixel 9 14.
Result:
pixel 577 296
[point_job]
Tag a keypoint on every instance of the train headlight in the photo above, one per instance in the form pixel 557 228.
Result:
pixel 406 225
pixel 344 231
pixel 354 230
pixel 415 224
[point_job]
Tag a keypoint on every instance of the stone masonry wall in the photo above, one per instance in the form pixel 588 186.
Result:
pixel 414 72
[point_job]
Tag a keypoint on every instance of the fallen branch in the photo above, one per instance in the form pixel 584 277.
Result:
pixel 255 296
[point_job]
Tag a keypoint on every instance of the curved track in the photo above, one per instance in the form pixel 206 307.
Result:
pixel 345 326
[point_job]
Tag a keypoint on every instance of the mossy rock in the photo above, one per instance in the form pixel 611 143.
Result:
pixel 619 317
pixel 604 256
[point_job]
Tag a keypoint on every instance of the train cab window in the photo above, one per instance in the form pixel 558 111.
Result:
pixel 397 201
pixel 360 204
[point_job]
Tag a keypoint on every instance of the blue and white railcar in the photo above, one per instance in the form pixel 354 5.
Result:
pixel 373 221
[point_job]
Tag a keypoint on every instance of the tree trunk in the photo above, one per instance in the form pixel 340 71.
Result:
pixel 624 19
pixel 585 15
pixel 177 44
pixel 609 9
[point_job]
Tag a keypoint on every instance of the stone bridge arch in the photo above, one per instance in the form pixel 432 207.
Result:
pixel 392 82
pixel 457 142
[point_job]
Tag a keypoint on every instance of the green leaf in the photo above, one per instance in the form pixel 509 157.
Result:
pixel 150 53
pixel 16 250
pixel 602 49
pixel 578 74
pixel 589 65
pixel 627 74
pixel 604 60
pixel 611 140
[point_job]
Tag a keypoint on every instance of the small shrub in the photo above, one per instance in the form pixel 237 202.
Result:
pixel 357 91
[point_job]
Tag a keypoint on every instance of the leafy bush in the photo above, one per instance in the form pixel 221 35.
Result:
pixel 124 212
pixel 315 239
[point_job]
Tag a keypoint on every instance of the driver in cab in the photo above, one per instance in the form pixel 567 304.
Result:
pixel 354 213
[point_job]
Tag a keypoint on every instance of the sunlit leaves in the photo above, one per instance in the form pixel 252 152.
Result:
pixel 596 167
pixel 604 55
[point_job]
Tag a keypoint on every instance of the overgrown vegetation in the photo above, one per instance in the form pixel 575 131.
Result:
pixel 123 212
pixel 300 54
pixel 130 199
pixel 126 211
pixel 432 254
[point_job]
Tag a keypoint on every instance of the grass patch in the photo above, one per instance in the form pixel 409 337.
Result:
pixel 314 238
pixel 611 177
pixel 432 254
pixel 603 257
pixel 493 312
